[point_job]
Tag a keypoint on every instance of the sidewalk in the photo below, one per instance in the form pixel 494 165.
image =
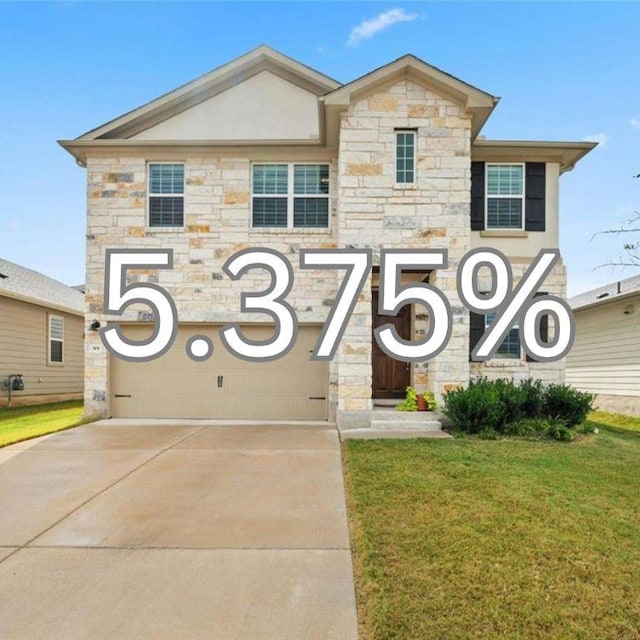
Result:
pixel 175 531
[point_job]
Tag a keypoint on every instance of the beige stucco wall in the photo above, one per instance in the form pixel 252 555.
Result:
pixel 605 358
pixel 263 107
pixel 24 349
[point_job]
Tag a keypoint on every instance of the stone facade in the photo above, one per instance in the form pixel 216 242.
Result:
pixel 367 209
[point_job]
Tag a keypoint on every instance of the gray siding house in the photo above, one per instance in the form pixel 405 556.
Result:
pixel 605 358
pixel 41 337
pixel 267 152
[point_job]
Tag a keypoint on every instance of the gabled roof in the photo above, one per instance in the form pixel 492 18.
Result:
pixel 262 58
pixel 477 102
pixel 608 293
pixel 30 286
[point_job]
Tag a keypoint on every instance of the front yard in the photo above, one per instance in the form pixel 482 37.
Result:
pixel 516 539
pixel 22 423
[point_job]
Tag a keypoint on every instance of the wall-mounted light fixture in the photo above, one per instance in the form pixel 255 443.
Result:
pixel 95 325
pixel 628 310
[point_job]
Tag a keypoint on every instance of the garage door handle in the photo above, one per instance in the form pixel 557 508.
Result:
pixel 122 395
pixel 317 397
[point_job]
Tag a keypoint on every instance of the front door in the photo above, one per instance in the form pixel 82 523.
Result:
pixel 390 376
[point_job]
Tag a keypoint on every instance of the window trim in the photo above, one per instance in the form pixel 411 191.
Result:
pixel 290 195
pixel 166 195
pixel 414 132
pixel 487 196
pixel 50 340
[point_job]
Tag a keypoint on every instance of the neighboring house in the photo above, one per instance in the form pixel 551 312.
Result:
pixel 266 152
pixel 605 358
pixel 41 337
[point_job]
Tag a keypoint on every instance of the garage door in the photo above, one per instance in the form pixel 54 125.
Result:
pixel 222 387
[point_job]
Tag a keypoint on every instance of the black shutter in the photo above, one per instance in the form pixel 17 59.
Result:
pixel 544 327
pixel 476 329
pixel 535 187
pixel 477 196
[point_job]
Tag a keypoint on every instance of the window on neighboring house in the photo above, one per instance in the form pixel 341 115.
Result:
pixel 290 195
pixel 56 339
pixel 405 157
pixel 166 195
pixel 510 347
pixel 505 196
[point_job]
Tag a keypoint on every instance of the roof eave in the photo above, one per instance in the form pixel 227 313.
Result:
pixel 607 300
pixel 41 303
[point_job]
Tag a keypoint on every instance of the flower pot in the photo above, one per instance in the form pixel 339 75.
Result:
pixel 422 403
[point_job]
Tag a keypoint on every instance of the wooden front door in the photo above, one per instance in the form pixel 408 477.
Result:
pixel 390 377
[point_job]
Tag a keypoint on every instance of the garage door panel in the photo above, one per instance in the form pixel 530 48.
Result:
pixel 174 386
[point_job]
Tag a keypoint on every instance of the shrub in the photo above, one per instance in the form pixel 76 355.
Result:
pixel 410 402
pixel 527 408
pixel 545 428
pixel 569 405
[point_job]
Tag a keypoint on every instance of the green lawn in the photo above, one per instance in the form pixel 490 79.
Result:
pixel 22 423
pixel 516 539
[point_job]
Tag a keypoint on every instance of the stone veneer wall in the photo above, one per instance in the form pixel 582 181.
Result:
pixel 217 224
pixel 374 212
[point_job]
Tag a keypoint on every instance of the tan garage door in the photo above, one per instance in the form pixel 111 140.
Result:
pixel 222 387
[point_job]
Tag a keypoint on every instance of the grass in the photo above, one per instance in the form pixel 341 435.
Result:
pixel 517 539
pixel 22 423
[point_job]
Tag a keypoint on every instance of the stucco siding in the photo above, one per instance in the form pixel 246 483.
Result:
pixel 605 358
pixel 24 350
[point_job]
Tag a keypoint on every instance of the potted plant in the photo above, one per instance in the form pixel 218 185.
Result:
pixel 410 402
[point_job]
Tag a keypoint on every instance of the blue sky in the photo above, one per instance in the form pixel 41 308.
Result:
pixel 564 71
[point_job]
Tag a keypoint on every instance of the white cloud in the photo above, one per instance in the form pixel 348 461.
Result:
pixel 600 138
pixel 369 28
pixel 635 123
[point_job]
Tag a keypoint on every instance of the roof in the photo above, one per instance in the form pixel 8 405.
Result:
pixel 333 97
pixel 30 286
pixel 566 154
pixel 608 293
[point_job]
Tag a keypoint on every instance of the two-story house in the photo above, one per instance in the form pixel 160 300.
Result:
pixel 266 152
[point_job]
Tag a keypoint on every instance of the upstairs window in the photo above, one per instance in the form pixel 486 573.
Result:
pixel 56 339
pixel 505 196
pixel 166 195
pixel 290 195
pixel 405 157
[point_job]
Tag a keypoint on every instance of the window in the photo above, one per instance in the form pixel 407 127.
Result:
pixel 290 195
pixel 510 347
pixel 405 157
pixel 505 196
pixel 56 339
pixel 166 195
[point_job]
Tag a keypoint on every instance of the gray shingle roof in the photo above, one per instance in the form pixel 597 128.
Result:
pixel 607 293
pixel 26 284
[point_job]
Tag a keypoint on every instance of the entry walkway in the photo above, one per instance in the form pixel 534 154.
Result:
pixel 120 530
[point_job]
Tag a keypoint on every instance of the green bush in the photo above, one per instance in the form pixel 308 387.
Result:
pixel 527 408
pixel 410 402
pixel 567 404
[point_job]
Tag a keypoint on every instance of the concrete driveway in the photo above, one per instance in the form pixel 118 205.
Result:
pixel 125 530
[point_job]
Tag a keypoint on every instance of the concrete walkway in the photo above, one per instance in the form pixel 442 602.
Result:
pixel 127 531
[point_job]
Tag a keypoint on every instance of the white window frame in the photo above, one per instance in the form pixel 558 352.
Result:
pixel 511 197
pixel 502 356
pixel 50 339
pixel 166 195
pixel 290 195
pixel 415 157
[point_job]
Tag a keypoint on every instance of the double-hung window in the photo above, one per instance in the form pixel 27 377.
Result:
pixel 505 196
pixel 166 194
pixel 405 156
pixel 290 195
pixel 510 347
pixel 56 339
